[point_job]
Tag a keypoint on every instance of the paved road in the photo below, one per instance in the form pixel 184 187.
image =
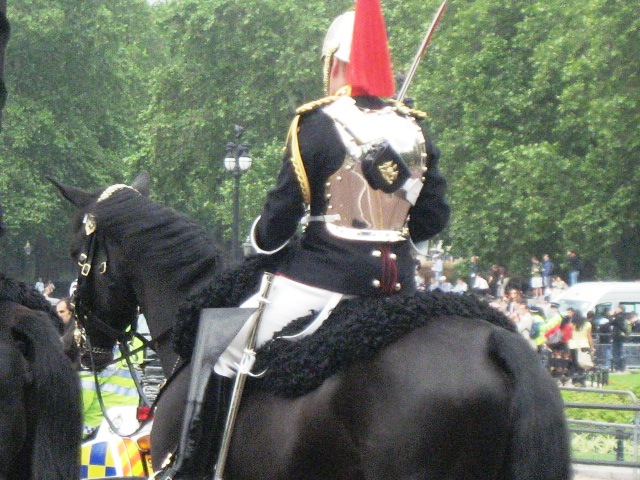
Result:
pixel 592 472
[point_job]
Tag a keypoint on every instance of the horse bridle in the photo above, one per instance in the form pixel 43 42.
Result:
pixel 85 262
pixel 85 314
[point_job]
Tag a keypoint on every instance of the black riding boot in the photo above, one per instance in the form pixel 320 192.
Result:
pixel 197 453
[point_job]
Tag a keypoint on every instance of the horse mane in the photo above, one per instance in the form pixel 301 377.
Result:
pixel 180 245
pixel 355 331
pixel 26 295
pixel 53 399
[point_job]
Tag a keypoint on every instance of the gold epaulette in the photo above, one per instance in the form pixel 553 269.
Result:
pixel 403 109
pixel 307 107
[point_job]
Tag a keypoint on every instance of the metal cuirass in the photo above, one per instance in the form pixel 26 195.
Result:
pixel 356 209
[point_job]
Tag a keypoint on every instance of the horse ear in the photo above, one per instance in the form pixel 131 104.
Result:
pixel 141 183
pixel 76 196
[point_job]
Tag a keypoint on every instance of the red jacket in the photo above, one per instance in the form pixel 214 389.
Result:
pixel 567 332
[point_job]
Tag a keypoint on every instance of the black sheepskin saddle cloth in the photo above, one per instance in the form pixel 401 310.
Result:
pixel 356 330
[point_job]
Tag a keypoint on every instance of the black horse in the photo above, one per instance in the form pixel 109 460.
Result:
pixel 434 386
pixel 40 413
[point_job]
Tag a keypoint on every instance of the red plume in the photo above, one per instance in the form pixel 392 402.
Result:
pixel 370 71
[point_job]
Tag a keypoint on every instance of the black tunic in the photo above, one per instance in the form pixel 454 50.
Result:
pixel 336 264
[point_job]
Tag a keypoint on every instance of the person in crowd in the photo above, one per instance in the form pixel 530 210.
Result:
pixel 460 286
pixel 620 330
pixel 558 285
pixel 445 285
pixel 73 286
pixel 536 278
pixel 474 269
pixel 40 285
pixel 117 388
pixel 635 324
pixel 601 333
pixel 523 321
pixel 538 324
pixel 356 133
pixel 49 287
pixel 480 285
pixel 69 337
pixel 547 272
pixel 421 284
pixel 553 317
pixel 492 279
pixel 502 282
pixel 515 296
pixel 437 267
pixel 575 267
pixel 558 342
pixel 64 310
pixel 580 345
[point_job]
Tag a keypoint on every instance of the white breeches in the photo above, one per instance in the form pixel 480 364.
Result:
pixel 287 301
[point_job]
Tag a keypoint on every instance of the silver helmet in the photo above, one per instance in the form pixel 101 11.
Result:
pixel 337 43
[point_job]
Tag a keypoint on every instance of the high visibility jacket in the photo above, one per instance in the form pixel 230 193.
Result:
pixel 117 388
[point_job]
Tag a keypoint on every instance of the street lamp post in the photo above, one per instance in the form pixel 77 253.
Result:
pixel 28 262
pixel 237 161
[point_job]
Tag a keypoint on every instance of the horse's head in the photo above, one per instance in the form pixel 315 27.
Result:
pixel 105 300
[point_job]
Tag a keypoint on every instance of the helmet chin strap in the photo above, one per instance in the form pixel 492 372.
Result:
pixel 326 71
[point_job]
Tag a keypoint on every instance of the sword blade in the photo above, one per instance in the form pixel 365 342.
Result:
pixel 421 51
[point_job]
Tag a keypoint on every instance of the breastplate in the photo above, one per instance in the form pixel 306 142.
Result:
pixel 356 210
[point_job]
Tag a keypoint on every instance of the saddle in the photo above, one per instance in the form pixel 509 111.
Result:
pixel 356 330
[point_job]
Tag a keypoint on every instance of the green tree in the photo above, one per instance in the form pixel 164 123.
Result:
pixel 76 74
pixel 537 118
pixel 247 63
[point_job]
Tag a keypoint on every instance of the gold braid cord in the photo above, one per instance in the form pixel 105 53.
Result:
pixel 296 160
pixel 403 109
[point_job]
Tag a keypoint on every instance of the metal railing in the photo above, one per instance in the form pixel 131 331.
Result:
pixel 630 352
pixel 617 452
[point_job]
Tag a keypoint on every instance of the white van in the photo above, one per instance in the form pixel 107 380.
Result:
pixel 601 297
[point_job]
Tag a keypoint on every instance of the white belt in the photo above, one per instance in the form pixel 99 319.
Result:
pixel 357 234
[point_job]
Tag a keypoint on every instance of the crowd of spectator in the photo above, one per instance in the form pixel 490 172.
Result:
pixel 564 342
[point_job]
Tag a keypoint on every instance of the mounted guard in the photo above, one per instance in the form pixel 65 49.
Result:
pixel 362 177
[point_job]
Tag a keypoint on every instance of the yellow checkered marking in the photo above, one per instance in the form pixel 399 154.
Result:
pixel 96 461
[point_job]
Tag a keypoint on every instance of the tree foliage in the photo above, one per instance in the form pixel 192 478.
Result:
pixel 537 116
pixel 76 73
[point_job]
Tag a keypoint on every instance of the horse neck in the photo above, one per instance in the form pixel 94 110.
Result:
pixel 159 298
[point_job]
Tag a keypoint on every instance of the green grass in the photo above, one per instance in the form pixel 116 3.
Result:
pixel 630 381
pixel 597 446
pixel 626 382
